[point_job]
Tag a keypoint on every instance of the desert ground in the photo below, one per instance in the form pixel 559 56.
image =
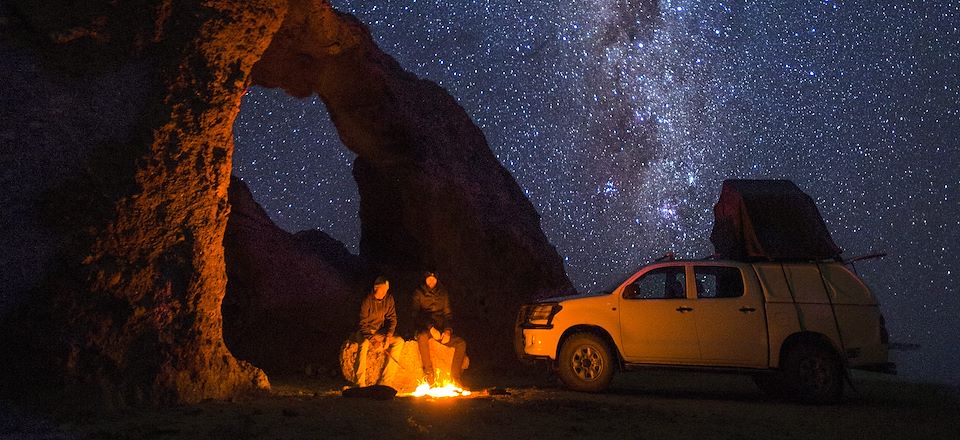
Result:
pixel 643 405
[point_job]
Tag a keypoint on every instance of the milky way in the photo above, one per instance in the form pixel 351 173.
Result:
pixel 620 119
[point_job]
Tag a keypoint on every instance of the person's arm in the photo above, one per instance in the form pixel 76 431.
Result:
pixel 366 320
pixel 390 318
pixel 447 313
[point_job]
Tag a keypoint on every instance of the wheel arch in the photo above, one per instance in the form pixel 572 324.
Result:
pixel 811 338
pixel 596 330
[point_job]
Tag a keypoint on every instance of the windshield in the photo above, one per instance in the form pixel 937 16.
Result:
pixel 612 283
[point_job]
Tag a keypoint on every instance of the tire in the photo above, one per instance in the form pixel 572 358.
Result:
pixel 585 363
pixel 813 374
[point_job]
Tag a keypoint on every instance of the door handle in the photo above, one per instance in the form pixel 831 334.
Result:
pixel 682 309
pixel 747 309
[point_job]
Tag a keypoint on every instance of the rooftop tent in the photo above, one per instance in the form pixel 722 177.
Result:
pixel 769 220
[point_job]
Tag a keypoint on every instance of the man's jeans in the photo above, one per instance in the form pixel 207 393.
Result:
pixel 395 346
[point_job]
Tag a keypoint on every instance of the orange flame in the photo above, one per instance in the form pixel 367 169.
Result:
pixel 445 388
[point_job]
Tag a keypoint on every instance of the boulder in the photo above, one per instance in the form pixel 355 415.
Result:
pixel 410 373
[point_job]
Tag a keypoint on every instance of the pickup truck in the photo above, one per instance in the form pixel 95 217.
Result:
pixel 796 327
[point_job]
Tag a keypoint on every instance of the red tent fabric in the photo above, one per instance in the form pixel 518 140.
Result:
pixel 769 220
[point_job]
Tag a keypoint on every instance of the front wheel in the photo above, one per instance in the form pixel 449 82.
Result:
pixel 813 374
pixel 585 363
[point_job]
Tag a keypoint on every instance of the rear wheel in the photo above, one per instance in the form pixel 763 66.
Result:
pixel 813 374
pixel 585 363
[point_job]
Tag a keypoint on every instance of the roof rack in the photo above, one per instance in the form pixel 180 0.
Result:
pixel 669 256
pixel 866 257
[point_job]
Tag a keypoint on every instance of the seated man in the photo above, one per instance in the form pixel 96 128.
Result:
pixel 378 321
pixel 433 318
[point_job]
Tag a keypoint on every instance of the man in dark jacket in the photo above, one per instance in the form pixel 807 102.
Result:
pixel 433 318
pixel 378 322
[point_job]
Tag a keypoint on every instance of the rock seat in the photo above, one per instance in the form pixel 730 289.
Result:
pixel 411 368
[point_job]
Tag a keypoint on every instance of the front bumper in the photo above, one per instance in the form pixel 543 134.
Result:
pixel 539 343
pixel 535 341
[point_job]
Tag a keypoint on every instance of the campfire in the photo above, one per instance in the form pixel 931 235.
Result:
pixel 408 380
pixel 442 388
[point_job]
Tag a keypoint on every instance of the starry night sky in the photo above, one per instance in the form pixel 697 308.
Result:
pixel 621 133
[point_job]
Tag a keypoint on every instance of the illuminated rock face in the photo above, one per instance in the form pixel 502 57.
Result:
pixel 118 118
pixel 291 298
pixel 124 113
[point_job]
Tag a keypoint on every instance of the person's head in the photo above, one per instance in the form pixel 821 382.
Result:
pixel 430 279
pixel 380 287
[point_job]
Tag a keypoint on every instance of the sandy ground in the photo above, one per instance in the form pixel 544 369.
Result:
pixel 645 405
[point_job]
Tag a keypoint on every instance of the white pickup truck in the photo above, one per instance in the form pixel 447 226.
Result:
pixel 796 327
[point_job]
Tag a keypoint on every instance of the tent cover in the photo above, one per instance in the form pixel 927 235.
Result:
pixel 769 220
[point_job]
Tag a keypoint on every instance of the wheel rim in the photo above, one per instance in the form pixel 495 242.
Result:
pixel 815 374
pixel 587 363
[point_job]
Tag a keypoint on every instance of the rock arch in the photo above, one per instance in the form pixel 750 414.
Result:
pixel 120 205
pixel 432 193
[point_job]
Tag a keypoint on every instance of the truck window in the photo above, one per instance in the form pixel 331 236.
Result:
pixel 844 286
pixel 661 283
pixel 718 281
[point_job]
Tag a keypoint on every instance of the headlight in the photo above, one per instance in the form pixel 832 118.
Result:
pixel 541 315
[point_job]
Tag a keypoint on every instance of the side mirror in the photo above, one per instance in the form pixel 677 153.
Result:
pixel 631 291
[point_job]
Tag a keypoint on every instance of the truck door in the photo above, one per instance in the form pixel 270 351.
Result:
pixel 730 318
pixel 656 324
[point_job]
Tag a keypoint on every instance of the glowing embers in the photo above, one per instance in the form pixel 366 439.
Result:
pixel 441 388
pixel 445 390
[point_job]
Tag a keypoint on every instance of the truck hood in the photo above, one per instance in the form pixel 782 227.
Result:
pixel 572 297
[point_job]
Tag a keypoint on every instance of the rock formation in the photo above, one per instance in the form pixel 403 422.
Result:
pixel 117 131
pixel 116 162
pixel 291 299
